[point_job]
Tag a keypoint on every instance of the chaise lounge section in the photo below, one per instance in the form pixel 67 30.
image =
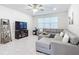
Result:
pixel 55 46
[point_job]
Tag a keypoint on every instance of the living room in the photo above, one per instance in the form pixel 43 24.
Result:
pixel 33 26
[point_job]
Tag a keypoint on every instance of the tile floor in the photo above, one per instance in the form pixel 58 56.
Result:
pixel 24 46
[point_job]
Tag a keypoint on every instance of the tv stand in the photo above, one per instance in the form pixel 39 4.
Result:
pixel 21 33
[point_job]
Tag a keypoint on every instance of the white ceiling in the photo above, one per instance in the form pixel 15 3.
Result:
pixel 48 8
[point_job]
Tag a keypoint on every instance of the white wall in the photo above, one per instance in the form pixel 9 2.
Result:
pixel 75 27
pixel 13 16
pixel 62 23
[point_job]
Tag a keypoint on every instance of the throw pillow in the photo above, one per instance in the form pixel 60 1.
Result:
pixel 51 35
pixel 66 38
pixel 61 34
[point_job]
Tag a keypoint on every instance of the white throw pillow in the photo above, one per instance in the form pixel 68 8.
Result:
pixel 61 34
pixel 40 30
pixel 66 38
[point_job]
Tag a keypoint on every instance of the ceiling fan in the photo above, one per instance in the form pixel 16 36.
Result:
pixel 35 7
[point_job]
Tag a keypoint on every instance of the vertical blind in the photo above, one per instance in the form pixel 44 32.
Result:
pixel 50 23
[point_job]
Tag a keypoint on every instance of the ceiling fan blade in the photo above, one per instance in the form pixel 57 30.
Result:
pixel 41 9
pixel 40 5
pixel 29 5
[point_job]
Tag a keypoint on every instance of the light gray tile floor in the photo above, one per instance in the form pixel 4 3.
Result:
pixel 24 46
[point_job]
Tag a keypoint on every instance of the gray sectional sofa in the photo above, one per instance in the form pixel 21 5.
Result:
pixel 55 46
pixel 46 32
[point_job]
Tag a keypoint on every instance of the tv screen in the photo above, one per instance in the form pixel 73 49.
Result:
pixel 25 25
pixel 21 25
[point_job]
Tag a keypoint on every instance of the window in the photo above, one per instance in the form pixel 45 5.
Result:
pixel 50 23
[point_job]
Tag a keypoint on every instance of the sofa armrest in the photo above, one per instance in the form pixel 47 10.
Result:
pixel 61 48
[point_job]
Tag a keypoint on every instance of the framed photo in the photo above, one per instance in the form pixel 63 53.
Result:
pixel 71 19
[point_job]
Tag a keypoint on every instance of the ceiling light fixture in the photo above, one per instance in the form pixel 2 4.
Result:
pixel 35 10
pixel 35 7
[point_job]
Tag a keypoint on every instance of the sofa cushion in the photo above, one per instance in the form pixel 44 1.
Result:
pixel 73 38
pixel 74 41
pixel 66 38
pixel 59 38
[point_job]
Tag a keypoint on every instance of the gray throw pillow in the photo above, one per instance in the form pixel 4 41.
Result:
pixel 51 35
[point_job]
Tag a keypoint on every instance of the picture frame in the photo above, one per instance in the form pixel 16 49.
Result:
pixel 71 19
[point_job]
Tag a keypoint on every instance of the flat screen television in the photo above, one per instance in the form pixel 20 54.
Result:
pixel 20 25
